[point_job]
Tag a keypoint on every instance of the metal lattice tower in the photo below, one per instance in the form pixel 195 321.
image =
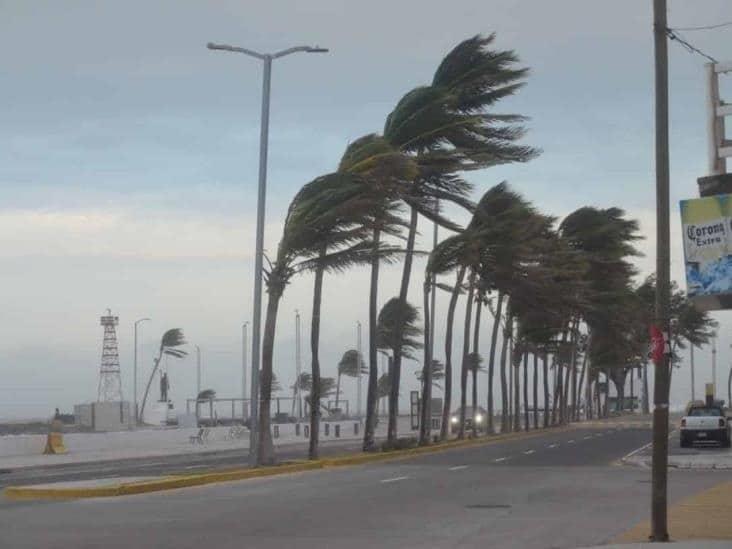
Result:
pixel 110 381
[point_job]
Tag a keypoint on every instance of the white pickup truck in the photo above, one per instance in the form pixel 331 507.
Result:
pixel 705 423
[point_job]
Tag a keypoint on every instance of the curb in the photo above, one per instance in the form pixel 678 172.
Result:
pixel 186 481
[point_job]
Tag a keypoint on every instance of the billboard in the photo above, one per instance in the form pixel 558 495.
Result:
pixel 707 232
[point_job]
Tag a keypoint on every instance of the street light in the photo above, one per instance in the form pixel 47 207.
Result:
pixel 244 370
pixel 263 138
pixel 134 373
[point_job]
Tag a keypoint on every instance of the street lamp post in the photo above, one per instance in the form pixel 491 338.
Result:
pixel 266 58
pixel 134 373
pixel 198 378
pixel 244 371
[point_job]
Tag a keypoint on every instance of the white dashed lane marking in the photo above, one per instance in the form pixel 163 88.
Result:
pixel 501 459
pixel 395 479
pixel 529 452
pixel 458 468
pixel 552 445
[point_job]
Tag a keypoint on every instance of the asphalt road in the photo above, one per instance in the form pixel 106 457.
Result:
pixel 160 465
pixel 557 489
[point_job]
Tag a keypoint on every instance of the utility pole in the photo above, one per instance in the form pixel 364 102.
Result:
pixel 693 388
pixel 659 473
pixel 714 367
pixel 358 383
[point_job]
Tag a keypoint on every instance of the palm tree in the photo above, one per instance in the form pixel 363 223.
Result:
pixel 447 127
pixel 397 328
pixel 606 240
pixel 170 345
pixel 334 205
pixel 385 169
pixel 326 388
pixel 351 365
pixel 437 372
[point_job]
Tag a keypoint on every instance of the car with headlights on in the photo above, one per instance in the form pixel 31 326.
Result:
pixel 479 416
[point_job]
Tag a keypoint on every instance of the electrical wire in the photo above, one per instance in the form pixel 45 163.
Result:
pixel 707 27
pixel 674 35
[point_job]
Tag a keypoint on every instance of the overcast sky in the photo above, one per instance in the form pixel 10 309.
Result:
pixel 128 160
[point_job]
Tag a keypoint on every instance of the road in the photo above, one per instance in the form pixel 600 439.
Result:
pixel 160 465
pixel 556 489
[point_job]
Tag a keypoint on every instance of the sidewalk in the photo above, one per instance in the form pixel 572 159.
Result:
pixel 704 516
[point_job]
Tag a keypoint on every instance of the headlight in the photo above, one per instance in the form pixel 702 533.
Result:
pixel 454 419
pixel 478 418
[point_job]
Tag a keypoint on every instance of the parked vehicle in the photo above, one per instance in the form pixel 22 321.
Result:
pixel 704 423
pixel 479 416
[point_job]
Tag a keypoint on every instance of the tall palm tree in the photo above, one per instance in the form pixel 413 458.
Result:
pixel 386 170
pixel 331 205
pixel 606 240
pixel 350 365
pixel 448 128
pixel 170 345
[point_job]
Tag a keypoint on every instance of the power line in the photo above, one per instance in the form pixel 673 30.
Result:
pixel 674 35
pixel 707 27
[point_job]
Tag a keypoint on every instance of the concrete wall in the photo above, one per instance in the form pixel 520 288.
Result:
pixel 104 416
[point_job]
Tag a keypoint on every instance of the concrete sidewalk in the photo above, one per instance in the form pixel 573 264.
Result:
pixel 702 517
pixel 696 544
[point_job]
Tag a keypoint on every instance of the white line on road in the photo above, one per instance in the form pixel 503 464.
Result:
pixel 570 441
pixel 457 468
pixel 501 459
pixel 196 466
pixel 588 436
pixel 395 479
pixel 529 452
pixel 552 445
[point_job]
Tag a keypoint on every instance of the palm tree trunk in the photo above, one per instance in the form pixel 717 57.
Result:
pixel 526 391
pixel 338 391
pixel 265 448
pixel 573 407
pixel 476 346
pixel 492 360
pixel 371 400
pixel 545 364
pixel 397 350
pixel 156 363
pixel 426 412
pixel 504 385
pixel 466 352
pixel 315 363
pixel 445 427
pixel 565 395
pixel 632 391
pixel 536 390
pixel 516 392
pixel 646 407
pixel 584 374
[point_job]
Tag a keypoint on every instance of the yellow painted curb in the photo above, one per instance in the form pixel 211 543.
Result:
pixel 164 483
pixel 705 515
pixel 185 481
